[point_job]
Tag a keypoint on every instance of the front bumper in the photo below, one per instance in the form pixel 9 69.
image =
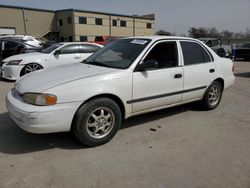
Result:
pixel 40 119
pixel 11 72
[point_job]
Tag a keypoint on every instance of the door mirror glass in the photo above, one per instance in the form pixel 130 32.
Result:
pixel 148 65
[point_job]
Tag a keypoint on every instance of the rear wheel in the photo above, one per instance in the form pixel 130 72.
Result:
pixel 30 68
pixel 212 96
pixel 97 121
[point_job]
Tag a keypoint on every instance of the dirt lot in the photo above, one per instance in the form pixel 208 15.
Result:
pixel 176 147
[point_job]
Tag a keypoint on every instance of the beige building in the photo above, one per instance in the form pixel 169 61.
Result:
pixel 72 24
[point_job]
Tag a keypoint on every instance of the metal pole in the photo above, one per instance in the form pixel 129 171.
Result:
pixel 24 22
pixel 110 26
pixel 133 25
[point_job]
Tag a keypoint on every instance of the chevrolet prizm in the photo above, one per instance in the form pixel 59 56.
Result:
pixel 128 77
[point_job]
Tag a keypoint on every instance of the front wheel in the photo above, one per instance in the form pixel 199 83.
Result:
pixel 97 121
pixel 30 68
pixel 212 96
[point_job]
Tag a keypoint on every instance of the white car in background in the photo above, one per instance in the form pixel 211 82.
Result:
pixel 56 55
pixel 128 77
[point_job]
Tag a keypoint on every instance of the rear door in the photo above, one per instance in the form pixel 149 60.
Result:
pixel 161 86
pixel 199 69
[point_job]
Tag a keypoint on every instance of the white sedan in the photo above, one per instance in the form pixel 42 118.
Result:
pixel 56 55
pixel 125 78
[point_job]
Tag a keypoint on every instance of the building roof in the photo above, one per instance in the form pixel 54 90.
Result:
pixel 27 8
pixel 149 16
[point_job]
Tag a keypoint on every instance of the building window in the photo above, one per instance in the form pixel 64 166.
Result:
pixel 70 39
pixel 83 38
pixel 60 22
pixel 114 23
pixel 82 20
pixel 149 25
pixel 62 39
pixel 123 23
pixel 98 21
pixel 69 20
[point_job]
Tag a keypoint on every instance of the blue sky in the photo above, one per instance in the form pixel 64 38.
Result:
pixel 171 15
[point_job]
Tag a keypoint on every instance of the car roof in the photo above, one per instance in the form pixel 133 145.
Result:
pixel 67 43
pixel 155 38
pixel 18 42
pixel 208 39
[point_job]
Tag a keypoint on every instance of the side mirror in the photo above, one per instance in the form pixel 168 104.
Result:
pixel 148 65
pixel 57 52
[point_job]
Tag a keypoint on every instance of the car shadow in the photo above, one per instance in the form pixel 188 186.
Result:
pixel 243 74
pixel 13 140
pixel 5 80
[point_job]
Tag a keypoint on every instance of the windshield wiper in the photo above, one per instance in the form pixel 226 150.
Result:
pixel 96 63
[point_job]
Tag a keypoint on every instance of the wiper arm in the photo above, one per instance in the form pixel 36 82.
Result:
pixel 96 63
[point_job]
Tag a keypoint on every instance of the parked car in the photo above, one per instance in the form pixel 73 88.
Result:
pixel 243 51
pixel 125 78
pixel 216 45
pixel 103 39
pixel 56 55
pixel 12 47
pixel 27 39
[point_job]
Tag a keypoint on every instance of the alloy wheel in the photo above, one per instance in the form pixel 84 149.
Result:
pixel 100 122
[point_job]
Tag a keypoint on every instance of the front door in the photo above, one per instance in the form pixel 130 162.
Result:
pixel 161 86
pixel 69 54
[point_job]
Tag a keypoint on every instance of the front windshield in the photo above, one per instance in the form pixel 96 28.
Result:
pixel 118 54
pixel 51 48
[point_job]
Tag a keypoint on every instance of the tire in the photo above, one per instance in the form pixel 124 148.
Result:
pixel 212 96
pixel 31 67
pixel 97 122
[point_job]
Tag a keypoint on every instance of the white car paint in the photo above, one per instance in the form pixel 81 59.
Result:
pixel 46 60
pixel 75 84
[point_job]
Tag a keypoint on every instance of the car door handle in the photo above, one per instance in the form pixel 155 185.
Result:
pixel 177 75
pixel 211 70
pixel 77 57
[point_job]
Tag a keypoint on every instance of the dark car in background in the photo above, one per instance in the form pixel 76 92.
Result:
pixel 10 47
pixel 243 51
pixel 216 45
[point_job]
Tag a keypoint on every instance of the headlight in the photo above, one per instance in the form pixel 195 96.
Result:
pixel 14 62
pixel 40 99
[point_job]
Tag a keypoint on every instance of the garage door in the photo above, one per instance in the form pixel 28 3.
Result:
pixel 7 31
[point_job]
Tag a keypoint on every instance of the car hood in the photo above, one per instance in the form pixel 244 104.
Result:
pixel 25 56
pixel 42 80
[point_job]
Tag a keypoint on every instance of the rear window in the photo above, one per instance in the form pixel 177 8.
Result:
pixel 193 53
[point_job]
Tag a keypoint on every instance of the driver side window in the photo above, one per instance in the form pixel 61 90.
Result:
pixel 69 49
pixel 165 54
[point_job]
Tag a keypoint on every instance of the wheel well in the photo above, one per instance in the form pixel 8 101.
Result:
pixel 22 71
pixel 221 81
pixel 110 96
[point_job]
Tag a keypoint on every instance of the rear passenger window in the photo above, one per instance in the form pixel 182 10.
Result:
pixel 194 53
